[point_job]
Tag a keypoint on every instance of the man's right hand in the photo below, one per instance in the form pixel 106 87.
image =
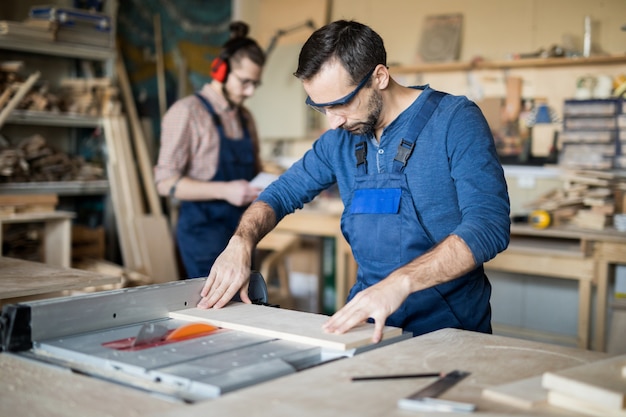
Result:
pixel 230 273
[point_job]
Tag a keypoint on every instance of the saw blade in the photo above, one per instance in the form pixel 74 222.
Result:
pixel 150 333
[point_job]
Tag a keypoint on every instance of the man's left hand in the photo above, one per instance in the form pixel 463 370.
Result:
pixel 377 302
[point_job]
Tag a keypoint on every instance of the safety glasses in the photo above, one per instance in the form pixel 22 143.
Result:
pixel 322 107
pixel 246 82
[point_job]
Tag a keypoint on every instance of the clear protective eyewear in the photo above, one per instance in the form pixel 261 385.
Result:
pixel 322 107
pixel 246 82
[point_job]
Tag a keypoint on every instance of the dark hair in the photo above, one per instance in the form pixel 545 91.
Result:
pixel 240 46
pixel 355 45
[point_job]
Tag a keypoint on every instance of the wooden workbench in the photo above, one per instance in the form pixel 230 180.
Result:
pixel 565 252
pixel 20 278
pixel 35 389
pixel 569 253
pixel 57 233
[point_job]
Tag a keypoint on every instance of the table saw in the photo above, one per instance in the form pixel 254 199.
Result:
pixel 154 339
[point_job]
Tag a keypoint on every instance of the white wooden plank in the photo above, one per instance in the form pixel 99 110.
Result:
pixel 151 237
pixel 598 382
pixel 139 139
pixel 296 326
pixel 157 247
pixel 526 393
pixel 122 200
pixel 575 404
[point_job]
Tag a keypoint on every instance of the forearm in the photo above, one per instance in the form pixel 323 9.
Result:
pixel 450 259
pixel 257 221
pixel 189 189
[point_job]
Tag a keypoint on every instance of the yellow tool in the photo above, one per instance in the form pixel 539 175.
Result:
pixel 539 219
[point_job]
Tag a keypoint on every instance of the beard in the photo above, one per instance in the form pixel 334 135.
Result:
pixel 232 103
pixel 374 108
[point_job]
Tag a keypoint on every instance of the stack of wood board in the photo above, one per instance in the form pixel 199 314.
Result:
pixel 27 203
pixel 596 389
pixel 73 25
pixel 145 239
pixel 90 96
pixel 22 30
pixel 586 199
pixel 526 393
pixel 33 159
pixel 590 133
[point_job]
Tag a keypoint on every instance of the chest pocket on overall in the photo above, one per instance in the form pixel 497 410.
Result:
pixel 376 201
pixel 375 219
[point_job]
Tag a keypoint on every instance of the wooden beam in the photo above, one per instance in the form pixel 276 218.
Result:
pixel 139 139
pixel 19 95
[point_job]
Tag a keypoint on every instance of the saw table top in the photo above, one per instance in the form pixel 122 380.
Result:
pixel 35 389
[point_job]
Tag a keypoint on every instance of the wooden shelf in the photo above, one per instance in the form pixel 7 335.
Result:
pixel 67 50
pixel 44 118
pixel 62 188
pixel 509 64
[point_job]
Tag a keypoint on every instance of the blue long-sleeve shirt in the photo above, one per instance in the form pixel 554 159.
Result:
pixel 454 175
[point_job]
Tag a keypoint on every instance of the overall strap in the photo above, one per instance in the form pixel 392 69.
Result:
pixel 420 119
pixel 360 151
pixel 216 119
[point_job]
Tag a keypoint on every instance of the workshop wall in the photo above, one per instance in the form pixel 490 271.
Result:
pixel 491 30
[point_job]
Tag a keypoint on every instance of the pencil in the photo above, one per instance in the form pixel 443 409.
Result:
pixel 397 376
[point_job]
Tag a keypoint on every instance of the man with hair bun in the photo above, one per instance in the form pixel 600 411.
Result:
pixel 210 151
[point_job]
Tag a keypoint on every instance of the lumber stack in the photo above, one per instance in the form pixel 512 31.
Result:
pixel 27 203
pixel 145 239
pixel 57 24
pixel 127 277
pixel 90 96
pixel 32 159
pixel 595 389
pixel 588 199
pixel 93 97
pixel 29 31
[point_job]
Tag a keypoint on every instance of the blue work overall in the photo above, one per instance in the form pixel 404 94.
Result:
pixel 385 231
pixel 204 227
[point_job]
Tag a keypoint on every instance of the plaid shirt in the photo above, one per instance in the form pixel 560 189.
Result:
pixel 190 142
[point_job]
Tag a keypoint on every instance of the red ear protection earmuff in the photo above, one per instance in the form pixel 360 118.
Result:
pixel 219 69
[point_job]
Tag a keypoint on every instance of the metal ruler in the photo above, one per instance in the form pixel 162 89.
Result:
pixel 426 398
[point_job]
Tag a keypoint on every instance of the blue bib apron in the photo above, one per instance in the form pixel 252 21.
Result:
pixel 204 227
pixel 385 231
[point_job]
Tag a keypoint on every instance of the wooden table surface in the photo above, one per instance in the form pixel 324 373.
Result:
pixel 328 391
pixel 29 388
pixel 20 278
